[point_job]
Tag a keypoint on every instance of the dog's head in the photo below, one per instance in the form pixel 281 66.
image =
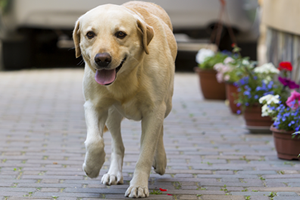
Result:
pixel 109 38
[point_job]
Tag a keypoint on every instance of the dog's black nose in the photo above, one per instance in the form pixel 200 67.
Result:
pixel 102 59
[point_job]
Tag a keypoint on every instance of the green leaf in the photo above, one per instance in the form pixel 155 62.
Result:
pixel 296 133
pixel 156 192
pixel 211 61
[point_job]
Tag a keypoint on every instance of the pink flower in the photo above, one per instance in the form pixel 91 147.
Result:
pixel 221 70
pixel 294 100
pixel 228 60
pixel 226 77
pixel 218 66
pixel 219 77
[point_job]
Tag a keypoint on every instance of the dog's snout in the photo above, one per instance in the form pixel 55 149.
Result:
pixel 103 59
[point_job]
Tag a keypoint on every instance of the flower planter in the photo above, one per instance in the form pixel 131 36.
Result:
pixel 232 94
pixel 287 148
pixel 210 87
pixel 255 123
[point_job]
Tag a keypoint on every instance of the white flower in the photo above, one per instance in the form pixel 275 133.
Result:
pixel 228 60
pixel 269 99
pixel 265 111
pixel 267 79
pixel 267 68
pixel 203 54
pixel 245 62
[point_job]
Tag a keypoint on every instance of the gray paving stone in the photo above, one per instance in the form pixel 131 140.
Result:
pixel 63 194
pixel 287 194
pixel 287 198
pixel 251 193
pixel 259 198
pixel 43 129
pixel 96 190
pixel 26 198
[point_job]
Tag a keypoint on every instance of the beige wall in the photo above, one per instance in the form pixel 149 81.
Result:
pixel 283 15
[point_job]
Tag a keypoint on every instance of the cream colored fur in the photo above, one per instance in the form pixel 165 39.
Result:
pixel 142 90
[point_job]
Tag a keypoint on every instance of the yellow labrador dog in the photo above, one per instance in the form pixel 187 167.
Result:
pixel 129 53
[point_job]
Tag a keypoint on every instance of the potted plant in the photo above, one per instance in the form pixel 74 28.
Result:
pixel 257 83
pixel 232 69
pixel 210 87
pixel 285 114
pixel 286 123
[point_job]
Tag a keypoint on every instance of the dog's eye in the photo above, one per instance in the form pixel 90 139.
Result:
pixel 90 34
pixel 120 34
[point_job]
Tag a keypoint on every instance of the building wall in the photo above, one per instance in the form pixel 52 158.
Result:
pixel 282 36
pixel 283 46
pixel 282 15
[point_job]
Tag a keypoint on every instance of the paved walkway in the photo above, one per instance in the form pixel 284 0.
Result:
pixel 210 154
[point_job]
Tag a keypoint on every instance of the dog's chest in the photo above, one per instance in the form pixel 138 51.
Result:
pixel 130 110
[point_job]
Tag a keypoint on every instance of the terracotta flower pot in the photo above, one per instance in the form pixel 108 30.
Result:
pixel 232 94
pixel 254 121
pixel 210 87
pixel 287 148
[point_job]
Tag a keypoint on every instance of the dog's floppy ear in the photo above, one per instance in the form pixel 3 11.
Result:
pixel 147 33
pixel 76 39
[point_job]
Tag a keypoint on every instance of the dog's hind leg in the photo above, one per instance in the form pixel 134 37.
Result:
pixel 160 159
pixel 114 175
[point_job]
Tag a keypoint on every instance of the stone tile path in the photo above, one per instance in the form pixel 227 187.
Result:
pixel 210 154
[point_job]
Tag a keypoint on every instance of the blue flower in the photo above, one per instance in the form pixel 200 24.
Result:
pixel 258 88
pixel 270 85
pixel 273 108
pixel 270 92
pixel 291 123
pixel 243 81
pixel 247 87
pixel 247 93
pixel 226 52
pixel 263 87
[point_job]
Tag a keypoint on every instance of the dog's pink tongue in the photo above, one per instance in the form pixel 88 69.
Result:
pixel 104 77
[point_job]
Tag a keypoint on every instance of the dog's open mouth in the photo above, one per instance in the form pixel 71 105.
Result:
pixel 107 77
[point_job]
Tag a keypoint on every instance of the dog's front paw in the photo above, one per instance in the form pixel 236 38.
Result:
pixel 112 179
pixel 91 171
pixel 138 186
pixel 160 163
pixel 136 191
pixel 94 158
